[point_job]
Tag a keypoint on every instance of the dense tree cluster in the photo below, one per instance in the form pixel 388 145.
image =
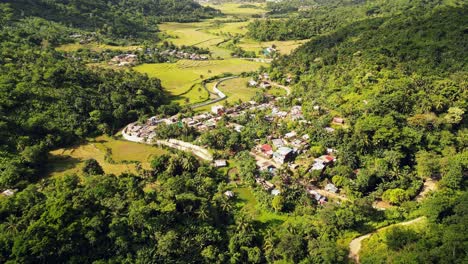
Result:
pixel 326 16
pixel 112 219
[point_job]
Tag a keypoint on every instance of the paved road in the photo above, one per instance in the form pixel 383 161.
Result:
pixel 198 151
pixel 355 245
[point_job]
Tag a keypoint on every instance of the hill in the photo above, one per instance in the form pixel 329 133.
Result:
pixel 401 86
pixel 120 18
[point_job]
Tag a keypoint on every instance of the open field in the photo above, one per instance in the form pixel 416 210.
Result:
pixel 71 160
pixel 94 47
pixel 283 47
pixel 219 27
pixel 178 77
pixel 237 89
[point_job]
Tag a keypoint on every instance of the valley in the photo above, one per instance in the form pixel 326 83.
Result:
pixel 217 131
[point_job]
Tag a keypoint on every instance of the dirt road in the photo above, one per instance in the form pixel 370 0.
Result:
pixel 355 245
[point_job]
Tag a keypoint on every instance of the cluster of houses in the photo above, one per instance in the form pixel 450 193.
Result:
pixel 262 81
pixel 278 150
pixel 132 59
pixel 124 60
pixel 180 54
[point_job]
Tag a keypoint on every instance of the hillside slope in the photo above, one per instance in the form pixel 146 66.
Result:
pixel 122 18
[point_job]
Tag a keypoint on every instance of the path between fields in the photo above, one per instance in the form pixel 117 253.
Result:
pixel 355 245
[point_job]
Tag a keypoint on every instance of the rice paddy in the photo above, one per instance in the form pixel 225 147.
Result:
pixel 94 47
pixel 181 78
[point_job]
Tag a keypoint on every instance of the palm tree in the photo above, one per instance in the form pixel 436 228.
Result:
pixel 11 225
pixel 225 205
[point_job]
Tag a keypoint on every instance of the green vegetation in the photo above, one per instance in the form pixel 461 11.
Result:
pixel 182 79
pixel 248 203
pixel 117 18
pixel 393 72
pixel 321 17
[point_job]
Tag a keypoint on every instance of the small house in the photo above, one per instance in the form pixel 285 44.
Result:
pixel 253 83
pixel 266 149
pixel 217 109
pixel 220 163
pixel 8 192
pixel 229 194
pixel 265 184
pixel 338 121
pixel 331 188
pixel 275 192
pixel 278 142
pixel 290 134
pixel 265 85
pixel 283 155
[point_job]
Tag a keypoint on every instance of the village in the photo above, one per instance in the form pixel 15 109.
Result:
pixel 273 154
pixel 130 59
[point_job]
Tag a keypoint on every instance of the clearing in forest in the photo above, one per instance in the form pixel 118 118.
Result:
pixel 70 160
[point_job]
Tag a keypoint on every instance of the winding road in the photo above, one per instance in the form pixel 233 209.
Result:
pixel 222 96
pixel 355 245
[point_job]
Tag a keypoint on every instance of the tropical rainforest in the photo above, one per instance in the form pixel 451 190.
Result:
pixel 396 72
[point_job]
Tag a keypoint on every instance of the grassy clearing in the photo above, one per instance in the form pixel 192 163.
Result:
pixel 247 201
pixel 276 91
pixel 237 89
pixel 71 160
pixel 376 244
pixel 94 47
pixel 179 77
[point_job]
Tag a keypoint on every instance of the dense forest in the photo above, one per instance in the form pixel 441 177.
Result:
pixel 118 18
pixel 308 19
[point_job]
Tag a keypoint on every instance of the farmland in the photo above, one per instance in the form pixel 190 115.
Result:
pixel 179 77
pixel 94 47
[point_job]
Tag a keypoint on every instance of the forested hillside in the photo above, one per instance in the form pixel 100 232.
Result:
pixel 119 18
pixel 308 19
pixel 48 100
pixel 401 86
pixel 400 83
